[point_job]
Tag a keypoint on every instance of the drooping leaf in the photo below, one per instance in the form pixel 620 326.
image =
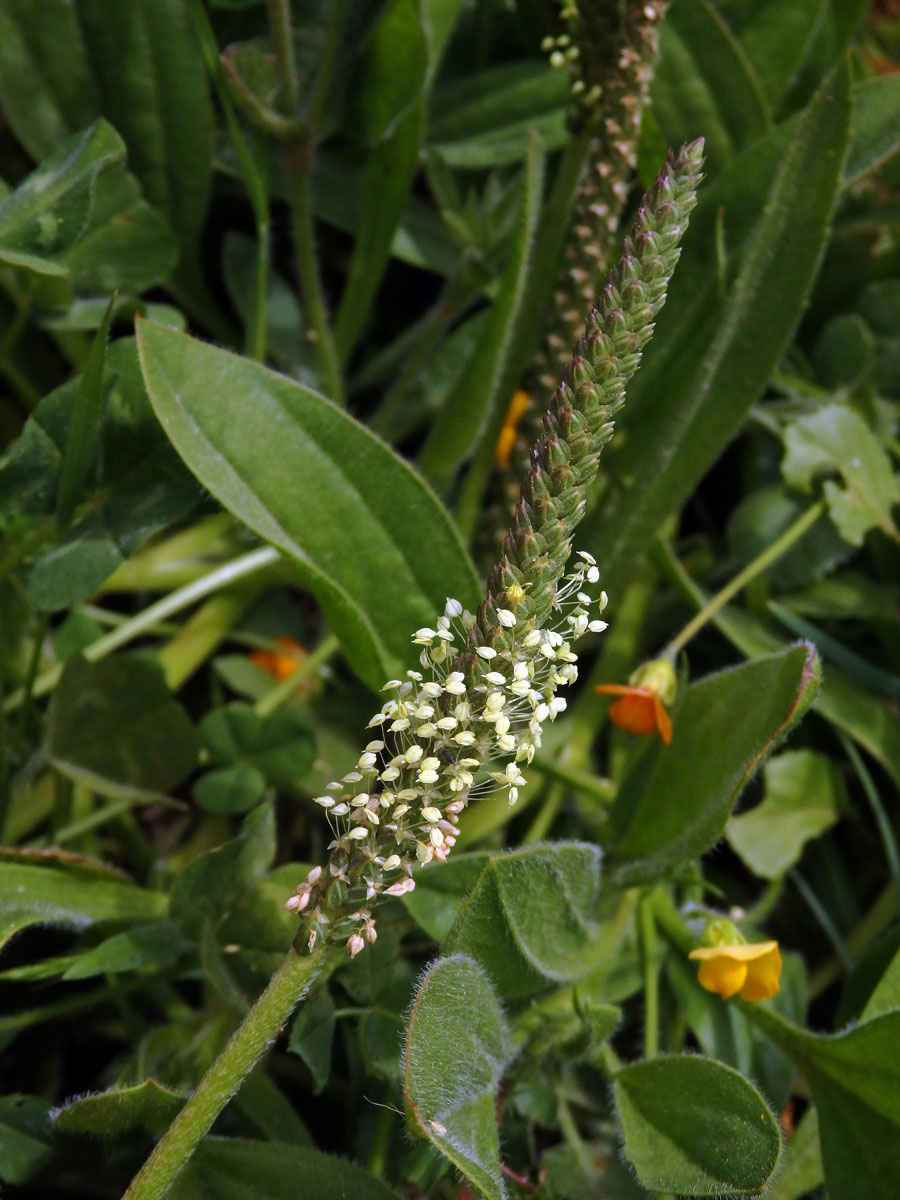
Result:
pixel 836 440
pixel 457 1047
pixel 854 1079
pixel 69 891
pixel 25 1135
pixel 676 809
pixel 803 798
pixel 315 483
pixel 240 1169
pixel 114 727
pixel 537 904
pixel 119 1111
pixel 696 1127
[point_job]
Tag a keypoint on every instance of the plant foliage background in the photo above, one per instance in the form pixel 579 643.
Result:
pixel 349 233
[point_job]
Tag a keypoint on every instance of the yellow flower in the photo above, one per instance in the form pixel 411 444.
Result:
pixel 641 708
pixel 518 406
pixel 750 969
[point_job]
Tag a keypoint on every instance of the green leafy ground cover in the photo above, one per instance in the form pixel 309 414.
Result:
pixel 269 278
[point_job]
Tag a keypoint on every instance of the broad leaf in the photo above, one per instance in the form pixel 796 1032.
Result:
pixel 71 892
pixel 279 745
pixel 854 1078
pixel 80 217
pixel 155 945
pixel 25 1134
pixel 441 890
pixel 836 440
pixel 875 132
pixel 457 1047
pixel 676 809
pixel 696 1127
pixel 114 727
pixel 315 483
pixel 531 917
pixel 240 1169
pixel 312 1031
pixel 803 798
pixel 111 1114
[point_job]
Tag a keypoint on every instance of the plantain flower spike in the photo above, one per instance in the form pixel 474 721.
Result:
pixel 471 718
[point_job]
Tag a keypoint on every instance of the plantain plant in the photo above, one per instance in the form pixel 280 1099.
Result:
pixel 316 319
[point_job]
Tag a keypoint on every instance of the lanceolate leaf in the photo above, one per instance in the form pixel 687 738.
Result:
pixel 457 1047
pixel 724 728
pixel 696 1127
pixel 854 1078
pixel 713 354
pixel 370 539
pixel 146 1105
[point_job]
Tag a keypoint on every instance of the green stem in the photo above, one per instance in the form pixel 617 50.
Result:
pixel 253 1037
pixel 142 622
pixel 762 561
pixel 546 815
pixel 29 688
pixel 647 934
pixel 601 789
pixel 824 918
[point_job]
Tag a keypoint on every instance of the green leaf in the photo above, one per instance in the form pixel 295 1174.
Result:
pixel 854 1079
pixel 835 439
pixel 149 73
pixel 875 130
pixel 725 726
pixel 866 718
pixel 323 489
pixel 441 890
pixel 391 167
pixel 774 36
pixel 72 892
pixel 230 790
pixel 704 82
pixel 279 745
pixel 119 1111
pixel 485 118
pixel 391 77
pixel 312 1032
pixel 802 1171
pixel 240 1169
pixel 696 1127
pixel 46 87
pixel 114 727
pixel 886 995
pixel 84 428
pixel 803 797
pixel 215 884
pixel 457 1047
pixel 25 1135
pixel 155 945
pixel 530 918
pixel 80 217
pixel 478 401
pixel 713 353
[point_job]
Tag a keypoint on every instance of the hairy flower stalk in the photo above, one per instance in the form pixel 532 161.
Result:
pixel 473 714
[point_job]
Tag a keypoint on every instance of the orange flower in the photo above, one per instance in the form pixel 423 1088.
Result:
pixel 641 707
pixel 518 406
pixel 278 664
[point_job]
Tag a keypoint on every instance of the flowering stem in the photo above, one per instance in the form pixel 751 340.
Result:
pixel 253 1037
pixel 762 561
